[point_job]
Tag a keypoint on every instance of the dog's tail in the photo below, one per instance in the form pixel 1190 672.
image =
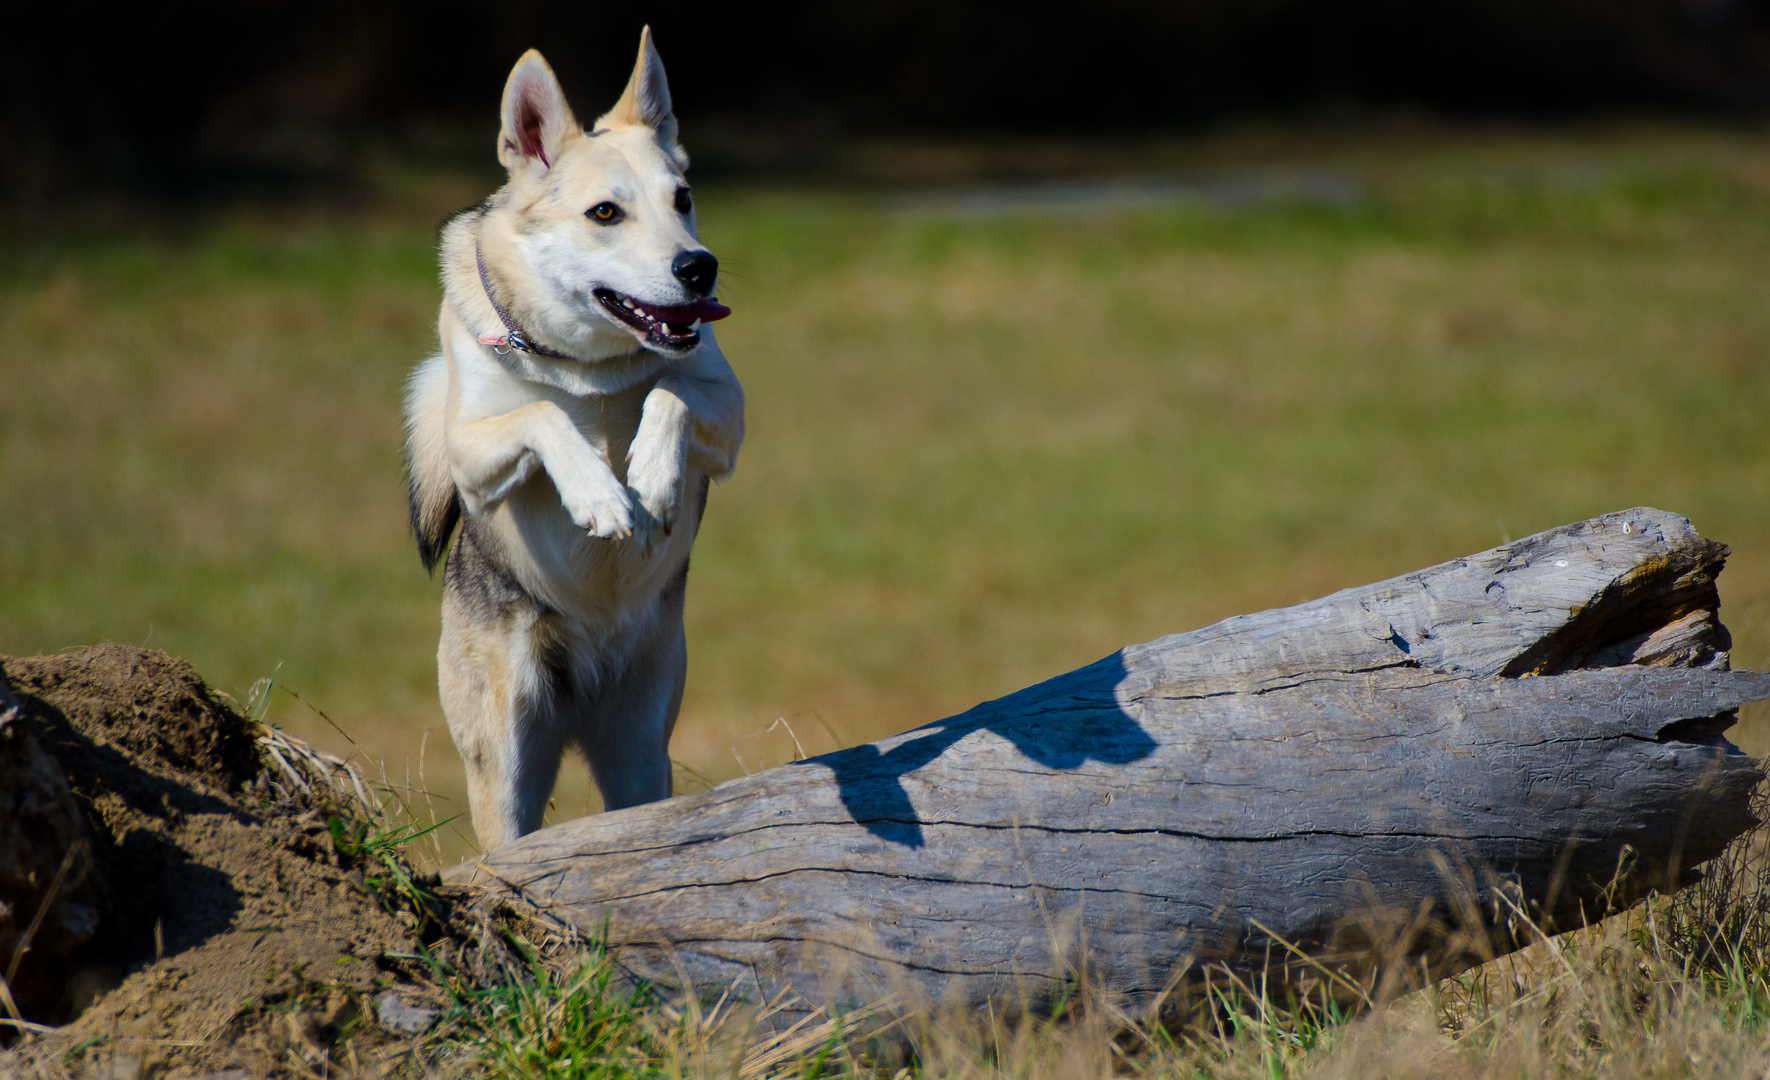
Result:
pixel 430 489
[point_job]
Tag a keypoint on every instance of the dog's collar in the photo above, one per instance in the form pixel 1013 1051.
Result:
pixel 515 337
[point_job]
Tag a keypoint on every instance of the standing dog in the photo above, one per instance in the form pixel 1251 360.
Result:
pixel 569 425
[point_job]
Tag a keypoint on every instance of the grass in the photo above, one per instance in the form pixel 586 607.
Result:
pixel 583 1021
pixel 982 449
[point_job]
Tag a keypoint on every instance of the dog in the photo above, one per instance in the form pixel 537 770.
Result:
pixel 565 433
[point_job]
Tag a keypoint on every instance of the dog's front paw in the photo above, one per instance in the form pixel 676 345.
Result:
pixel 657 503
pixel 649 531
pixel 601 509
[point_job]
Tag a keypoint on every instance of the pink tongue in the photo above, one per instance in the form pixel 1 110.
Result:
pixel 708 310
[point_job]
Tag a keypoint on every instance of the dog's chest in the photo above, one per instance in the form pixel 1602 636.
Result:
pixel 598 582
pixel 609 421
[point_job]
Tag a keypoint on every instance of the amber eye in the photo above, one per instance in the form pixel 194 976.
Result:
pixel 605 213
pixel 683 203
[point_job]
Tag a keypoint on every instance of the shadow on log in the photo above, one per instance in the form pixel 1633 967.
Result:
pixel 1391 774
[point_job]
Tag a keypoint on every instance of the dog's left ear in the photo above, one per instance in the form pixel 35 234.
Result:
pixel 646 101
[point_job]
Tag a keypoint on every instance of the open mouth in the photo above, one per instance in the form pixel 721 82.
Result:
pixel 664 327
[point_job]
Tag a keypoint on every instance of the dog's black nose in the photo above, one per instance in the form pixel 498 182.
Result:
pixel 696 269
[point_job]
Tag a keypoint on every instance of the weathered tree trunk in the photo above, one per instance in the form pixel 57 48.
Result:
pixel 1397 769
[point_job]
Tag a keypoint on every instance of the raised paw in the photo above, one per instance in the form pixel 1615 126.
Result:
pixel 655 512
pixel 602 510
pixel 648 531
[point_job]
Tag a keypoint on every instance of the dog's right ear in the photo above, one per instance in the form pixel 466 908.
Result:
pixel 536 117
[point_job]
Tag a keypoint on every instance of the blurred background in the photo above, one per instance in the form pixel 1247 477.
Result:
pixel 1061 329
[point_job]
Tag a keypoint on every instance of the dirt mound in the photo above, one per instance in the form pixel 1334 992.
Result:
pixel 207 918
pixel 151 706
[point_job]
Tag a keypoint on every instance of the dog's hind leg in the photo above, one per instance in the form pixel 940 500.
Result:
pixel 625 734
pixel 500 696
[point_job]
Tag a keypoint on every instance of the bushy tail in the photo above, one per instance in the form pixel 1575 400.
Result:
pixel 430 489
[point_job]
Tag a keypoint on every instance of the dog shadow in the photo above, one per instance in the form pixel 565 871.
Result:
pixel 1062 723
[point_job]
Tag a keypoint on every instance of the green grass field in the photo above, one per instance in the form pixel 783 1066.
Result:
pixel 982 449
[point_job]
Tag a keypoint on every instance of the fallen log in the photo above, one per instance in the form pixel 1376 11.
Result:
pixel 1402 771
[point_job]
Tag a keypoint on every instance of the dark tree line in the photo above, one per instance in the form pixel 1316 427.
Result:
pixel 150 96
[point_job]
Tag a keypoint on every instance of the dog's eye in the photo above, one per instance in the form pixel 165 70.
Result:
pixel 605 213
pixel 683 203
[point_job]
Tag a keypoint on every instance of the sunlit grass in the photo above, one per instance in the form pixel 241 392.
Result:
pixel 981 451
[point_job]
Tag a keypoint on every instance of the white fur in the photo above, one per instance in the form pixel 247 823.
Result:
pixel 574 476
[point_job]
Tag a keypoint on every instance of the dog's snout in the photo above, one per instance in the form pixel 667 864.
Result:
pixel 696 269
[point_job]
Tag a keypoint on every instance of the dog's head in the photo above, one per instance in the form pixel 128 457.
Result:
pixel 603 220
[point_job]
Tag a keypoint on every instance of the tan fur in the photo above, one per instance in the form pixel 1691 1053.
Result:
pixel 645 103
pixel 577 482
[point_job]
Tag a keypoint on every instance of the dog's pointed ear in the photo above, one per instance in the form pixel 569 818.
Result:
pixel 646 101
pixel 536 118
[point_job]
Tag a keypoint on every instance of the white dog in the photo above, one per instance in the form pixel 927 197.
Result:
pixel 570 425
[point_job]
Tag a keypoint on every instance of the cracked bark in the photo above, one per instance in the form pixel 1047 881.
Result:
pixel 1366 777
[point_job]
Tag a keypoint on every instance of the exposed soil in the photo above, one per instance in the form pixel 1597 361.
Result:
pixel 213 923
